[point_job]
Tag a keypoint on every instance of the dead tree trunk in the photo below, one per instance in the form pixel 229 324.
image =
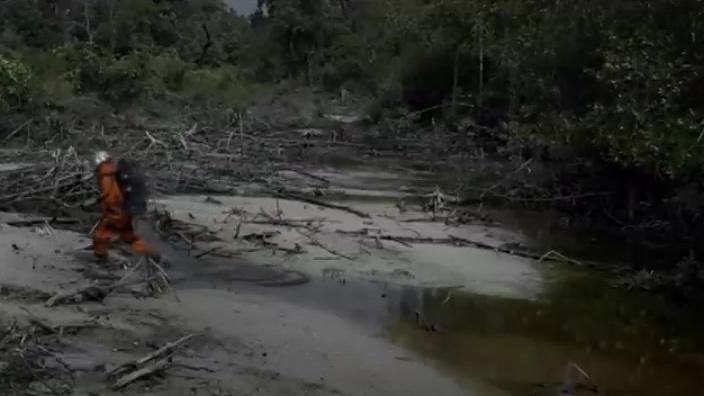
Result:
pixel 455 80
pixel 206 46
pixel 480 38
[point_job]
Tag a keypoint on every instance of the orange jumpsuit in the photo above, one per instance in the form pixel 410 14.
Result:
pixel 115 222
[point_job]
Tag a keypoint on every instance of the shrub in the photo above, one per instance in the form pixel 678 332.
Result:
pixel 167 69
pixel 123 80
pixel 85 64
pixel 15 84
pixel 52 83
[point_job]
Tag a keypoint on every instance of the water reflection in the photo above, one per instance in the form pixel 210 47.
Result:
pixel 631 344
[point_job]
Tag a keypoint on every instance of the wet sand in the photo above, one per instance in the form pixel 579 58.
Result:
pixel 376 317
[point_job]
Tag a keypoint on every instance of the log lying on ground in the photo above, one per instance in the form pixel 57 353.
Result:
pixel 94 292
pixel 298 197
pixel 457 241
pixel 42 221
pixel 154 362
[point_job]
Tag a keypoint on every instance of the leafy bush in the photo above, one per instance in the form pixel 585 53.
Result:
pixel 123 80
pixel 168 69
pixel 86 65
pixel 216 85
pixel 15 84
pixel 52 84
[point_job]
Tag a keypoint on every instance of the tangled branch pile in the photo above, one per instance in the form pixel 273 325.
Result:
pixel 27 364
pixel 63 180
pixel 193 161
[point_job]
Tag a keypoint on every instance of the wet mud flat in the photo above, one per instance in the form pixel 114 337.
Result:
pixel 245 343
pixel 390 304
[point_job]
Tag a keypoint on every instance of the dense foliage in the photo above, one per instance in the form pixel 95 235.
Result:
pixel 615 84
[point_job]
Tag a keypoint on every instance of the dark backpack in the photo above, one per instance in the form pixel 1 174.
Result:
pixel 132 182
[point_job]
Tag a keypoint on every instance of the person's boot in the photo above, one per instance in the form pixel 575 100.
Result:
pixel 101 258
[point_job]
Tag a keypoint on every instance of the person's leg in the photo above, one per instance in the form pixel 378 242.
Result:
pixel 101 240
pixel 136 242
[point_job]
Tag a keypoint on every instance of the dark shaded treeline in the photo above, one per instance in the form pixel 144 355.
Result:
pixel 607 93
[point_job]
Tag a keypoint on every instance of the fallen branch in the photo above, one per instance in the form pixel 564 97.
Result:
pixel 576 377
pixel 378 237
pixel 167 349
pixel 18 129
pixel 142 372
pixel 551 199
pixel 42 221
pixel 505 178
pixel 552 254
pixel 60 329
pixel 319 244
pixel 297 197
pixel 90 292
pixel 457 241
pixel 154 141
pixel 310 175
pixel 207 252
pixel 147 365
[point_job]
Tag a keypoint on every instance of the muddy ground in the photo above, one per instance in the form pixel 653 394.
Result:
pixel 377 302
pixel 315 271
pixel 324 336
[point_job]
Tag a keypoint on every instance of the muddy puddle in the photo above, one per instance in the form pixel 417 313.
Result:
pixel 630 343
pixel 499 324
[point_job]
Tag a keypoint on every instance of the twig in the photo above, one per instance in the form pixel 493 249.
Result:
pixel 94 292
pixel 457 241
pixel 142 367
pixel 183 142
pixel 310 175
pixel 301 198
pixel 47 220
pixel 238 229
pixel 36 376
pixel 165 350
pixel 164 276
pixel 142 372
pixel 497 184
pixel 317 243
pixel 229 139
pixel 207 252
pixel 552 199
pixel 153 141
pixel 18 129
pixel 555 254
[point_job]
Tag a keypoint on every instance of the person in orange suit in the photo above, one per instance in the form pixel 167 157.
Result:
pixel 115 222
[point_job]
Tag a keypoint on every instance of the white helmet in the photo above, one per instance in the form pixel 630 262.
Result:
pixel 100 157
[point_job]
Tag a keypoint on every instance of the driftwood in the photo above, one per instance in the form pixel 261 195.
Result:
pixel 42 221
pixel 457 241
pixel 93 292
pixel 365 232
pixel 576 377
pixel 156 361
pixel 319 244
pixel 142 372
pixel 298 197
pixel 323 180
pixel 27 358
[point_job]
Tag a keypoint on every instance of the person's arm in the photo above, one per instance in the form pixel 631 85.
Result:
pixel 106 178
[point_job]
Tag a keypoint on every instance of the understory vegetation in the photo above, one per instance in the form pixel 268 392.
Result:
pixel 606 94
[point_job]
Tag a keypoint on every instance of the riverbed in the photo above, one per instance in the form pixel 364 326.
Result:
pixel 408 314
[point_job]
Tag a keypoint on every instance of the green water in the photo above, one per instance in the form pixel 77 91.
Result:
pixel 629 343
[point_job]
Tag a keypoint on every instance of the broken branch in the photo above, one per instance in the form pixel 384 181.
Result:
pixel 297 197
